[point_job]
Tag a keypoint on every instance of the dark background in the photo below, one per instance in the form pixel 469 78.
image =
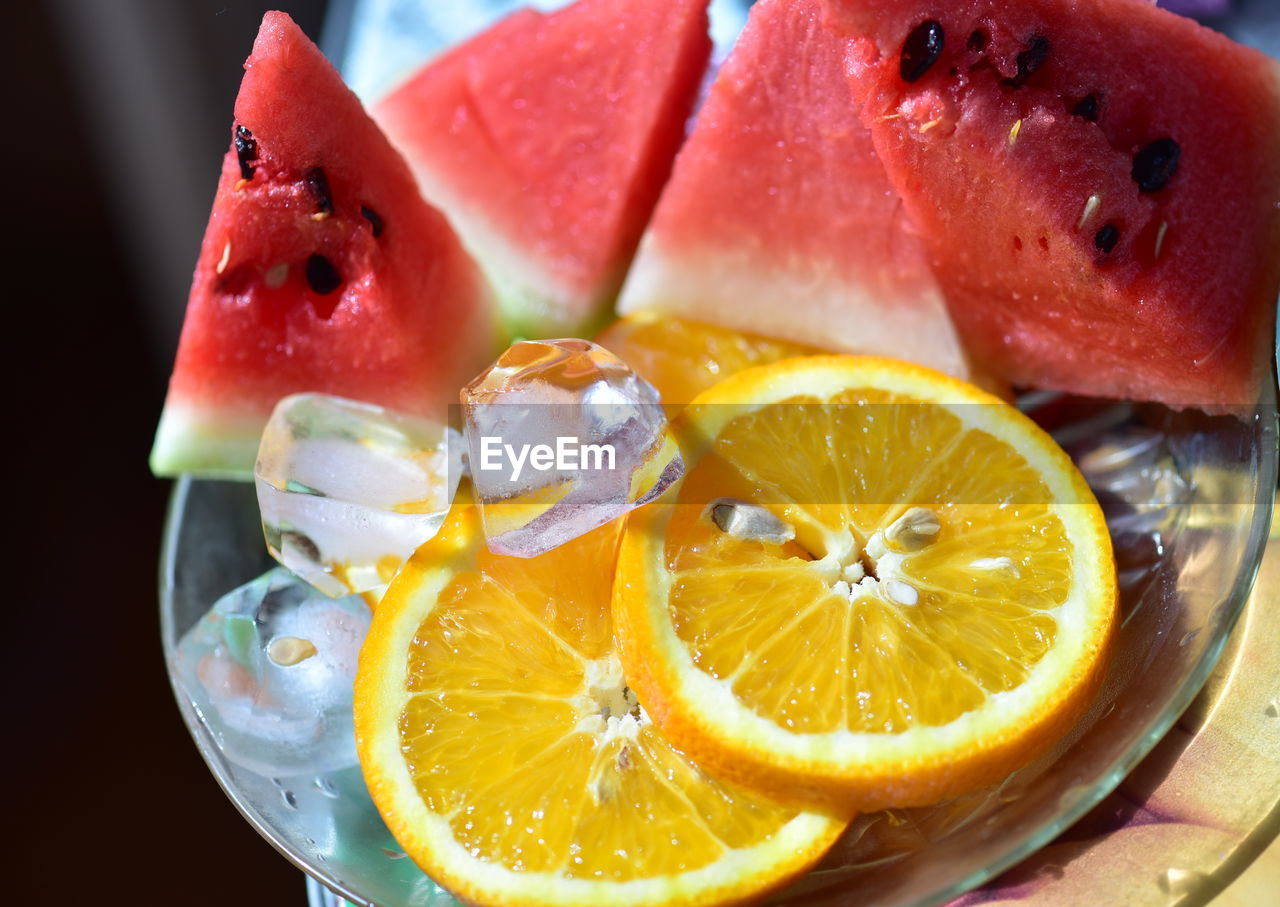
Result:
pixel 117 116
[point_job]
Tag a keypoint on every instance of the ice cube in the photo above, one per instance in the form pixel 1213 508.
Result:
pixel 270 669
pixel 562 437
pixel 349 490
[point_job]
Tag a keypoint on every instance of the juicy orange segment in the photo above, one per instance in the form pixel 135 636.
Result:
pixel 935 611
pixel 512 762
pixel 683 358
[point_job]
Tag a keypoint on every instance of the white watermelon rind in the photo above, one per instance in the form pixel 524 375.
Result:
pixel 205 444
pixel 531 302
pixel 737 288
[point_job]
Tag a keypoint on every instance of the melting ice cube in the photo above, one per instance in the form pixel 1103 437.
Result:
pixel 562 437
pixel 349 490
pixel 270 668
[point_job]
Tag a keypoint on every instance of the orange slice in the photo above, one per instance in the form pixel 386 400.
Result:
pixel 683 358
pixel 509 758
pixel 875 585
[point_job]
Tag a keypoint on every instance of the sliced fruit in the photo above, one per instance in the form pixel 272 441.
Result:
pixel 547 138
pixel 1097 182
pixel 683 358
pixel 321 270
pixel 779 219
pixel 511 761
pixel 875 585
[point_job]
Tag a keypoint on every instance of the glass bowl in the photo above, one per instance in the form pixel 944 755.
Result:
pixel 1188 499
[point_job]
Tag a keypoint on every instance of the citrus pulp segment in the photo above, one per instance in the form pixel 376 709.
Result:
pixel 512 762
pixel 936 611
pixel 682 358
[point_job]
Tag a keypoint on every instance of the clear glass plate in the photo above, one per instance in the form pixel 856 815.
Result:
pixel 1189 501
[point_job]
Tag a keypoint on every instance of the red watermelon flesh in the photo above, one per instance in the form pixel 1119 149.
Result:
pixel 779 219
pixel 322 269
pixel 1163 290
pixel 547 138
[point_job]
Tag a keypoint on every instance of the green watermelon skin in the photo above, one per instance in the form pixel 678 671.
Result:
pixel 546 140
pixel 997 171
pixel 410 320
pixel 779 219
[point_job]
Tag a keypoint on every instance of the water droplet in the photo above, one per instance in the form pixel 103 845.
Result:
pixel 1072 795
pixel 325 786
pixel 289 799
pixel 394 854
pixel 1180 882
pixel 1273 708
pixel 1190 636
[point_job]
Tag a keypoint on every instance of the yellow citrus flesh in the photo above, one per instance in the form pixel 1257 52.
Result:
pixel 510 760
pixel 683 358
pixel 940 615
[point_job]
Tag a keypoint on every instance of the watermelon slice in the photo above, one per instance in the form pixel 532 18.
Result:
pixel 1099 183
pixel 322 269
pixel 547 138
pixel 779 219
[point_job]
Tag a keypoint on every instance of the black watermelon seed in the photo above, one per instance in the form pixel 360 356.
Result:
pixel 1106 238
pixel 921 49
pixel 1156 164
pixel 246 151
pixel 318 183
pixel 1087 108
pixel 322 276
pixel 374 219
pixel 977 40
pixel 1030 60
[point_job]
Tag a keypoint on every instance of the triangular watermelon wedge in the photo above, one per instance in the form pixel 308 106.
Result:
pixel 779 219
pixel 322 269
pixel 546 140
pixel 1098 182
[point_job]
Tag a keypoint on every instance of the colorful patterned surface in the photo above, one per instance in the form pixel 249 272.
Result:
pixel 1199 809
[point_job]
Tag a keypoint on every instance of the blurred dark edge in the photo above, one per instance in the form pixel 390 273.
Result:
pixel 118 113
pixel 156 82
